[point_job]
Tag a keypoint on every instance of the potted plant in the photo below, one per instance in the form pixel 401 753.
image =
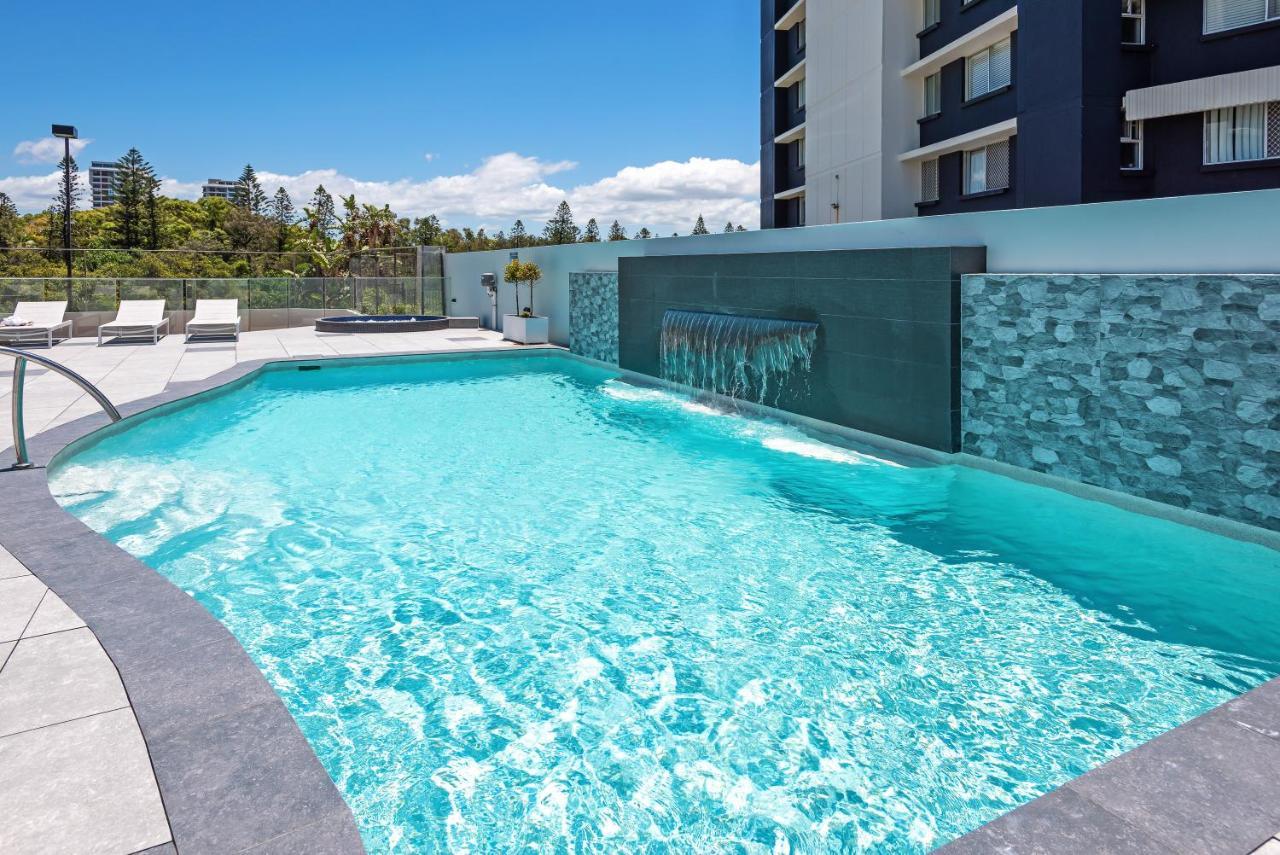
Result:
pixel 524 326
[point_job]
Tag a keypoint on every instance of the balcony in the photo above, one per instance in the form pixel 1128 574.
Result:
pixel 788 13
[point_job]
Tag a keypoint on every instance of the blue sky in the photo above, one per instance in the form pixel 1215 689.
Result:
pixel 644 111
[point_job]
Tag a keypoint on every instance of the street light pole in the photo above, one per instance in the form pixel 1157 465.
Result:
pixel 67 133
pixel 66 196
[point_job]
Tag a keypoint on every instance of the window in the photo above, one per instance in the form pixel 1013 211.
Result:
pixel 988 70
pixel 1131 146
pixel 929 181
pixel 800 95
pixel 1222 15
pixel 800 36
pixel 1248 132
pixel 800 220
pixel 800 153
pixel 1133 22
pixel 986 168
pixel 933 94
pixel 932 12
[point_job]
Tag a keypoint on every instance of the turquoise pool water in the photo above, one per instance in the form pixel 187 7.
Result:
pixel 520 605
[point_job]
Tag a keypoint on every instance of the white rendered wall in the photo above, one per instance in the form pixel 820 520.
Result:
pixel 902 103
pixel 1222 233
pixel 844 85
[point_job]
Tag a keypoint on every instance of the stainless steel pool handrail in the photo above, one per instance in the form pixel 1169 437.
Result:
pixel 20 360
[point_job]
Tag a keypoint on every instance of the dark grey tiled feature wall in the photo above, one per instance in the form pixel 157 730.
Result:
pixel 1165 387
pixel 593 315
pixel 887 359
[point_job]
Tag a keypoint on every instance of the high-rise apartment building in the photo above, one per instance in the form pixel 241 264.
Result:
pixel 873 109
pixel 102 182
pixel 220 188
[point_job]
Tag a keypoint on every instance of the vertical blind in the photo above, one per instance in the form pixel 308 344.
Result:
pixel 987 168
pixel 1235 133
pixel 933 94
pixel 932 12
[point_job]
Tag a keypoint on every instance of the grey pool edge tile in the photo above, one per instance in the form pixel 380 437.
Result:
pixel 162 849
pixel 34 488
pixel 1114 825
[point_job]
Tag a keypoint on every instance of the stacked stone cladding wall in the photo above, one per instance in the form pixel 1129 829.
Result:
pixel 593 315
pixel 1164 386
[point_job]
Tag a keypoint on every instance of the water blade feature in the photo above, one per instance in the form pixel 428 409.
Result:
pixel 743 357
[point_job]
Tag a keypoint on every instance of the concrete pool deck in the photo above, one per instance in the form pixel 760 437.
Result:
pixel 207 759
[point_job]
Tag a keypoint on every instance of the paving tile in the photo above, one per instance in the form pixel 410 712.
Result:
pixel 1271 847
pixel 56 678
pixel 1061 822
pixel 241 780
pixel 5 649
pixel 1210 786
pixel 84 786
pixel 11 567
pixel 195 684
pixel 19 597
pixel 162 849
pixel 53 615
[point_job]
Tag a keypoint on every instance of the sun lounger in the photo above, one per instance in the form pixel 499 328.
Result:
pixel 136 318
pixel 44 320
pixel 215 317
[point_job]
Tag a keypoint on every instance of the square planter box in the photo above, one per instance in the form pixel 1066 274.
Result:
pixel 526 330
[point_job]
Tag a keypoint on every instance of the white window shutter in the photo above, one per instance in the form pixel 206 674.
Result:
pixel 979 67
pixel 1228 14
pixel 1001 64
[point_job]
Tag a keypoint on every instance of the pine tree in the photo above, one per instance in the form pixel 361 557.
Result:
pixel 322 217
pixel 728 228
pixel 741 228
pixel 249 195
pixel 644 234
pixel 700 227
pixel 64 206
pixel 153 212
pixel 130 185
pixel 518 234
pixel 283 215
pixel 52 229
pixel 9 228
pixel 617 232
pixel 561 228
pixel 592 232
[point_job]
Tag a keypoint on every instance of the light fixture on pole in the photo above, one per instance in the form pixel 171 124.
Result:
pixel 66 133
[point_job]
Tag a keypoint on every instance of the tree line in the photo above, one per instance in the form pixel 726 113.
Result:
pixel 251 234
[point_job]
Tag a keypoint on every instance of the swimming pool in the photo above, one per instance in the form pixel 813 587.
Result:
pixel 519 603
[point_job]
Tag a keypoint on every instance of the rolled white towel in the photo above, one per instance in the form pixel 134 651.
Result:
pixel 14 321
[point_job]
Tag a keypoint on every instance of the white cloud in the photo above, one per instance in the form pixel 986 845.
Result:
pixel 664 197
pixel 429 156
pixel 180 189
pixel 45 150
pixel 36 192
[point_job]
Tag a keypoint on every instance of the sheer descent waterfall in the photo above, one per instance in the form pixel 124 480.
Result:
pixel 742 357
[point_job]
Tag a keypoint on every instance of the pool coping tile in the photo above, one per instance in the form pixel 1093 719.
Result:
pixel 236 773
